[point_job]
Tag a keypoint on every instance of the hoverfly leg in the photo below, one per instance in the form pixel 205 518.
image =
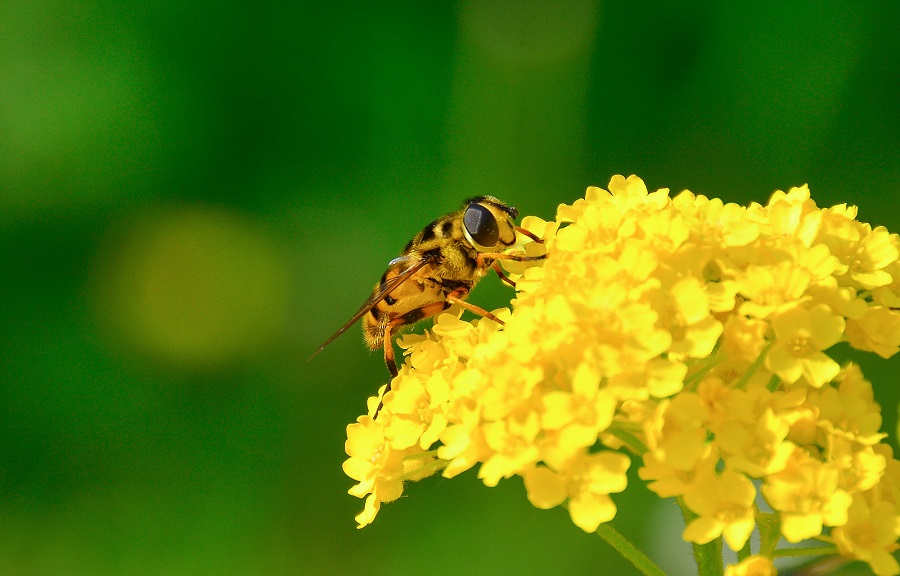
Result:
pixel 496 268
pixel 389 356
pixel 454 299
pixel 531 235
pixel 479 260
pixel 390 363
pixel 410 317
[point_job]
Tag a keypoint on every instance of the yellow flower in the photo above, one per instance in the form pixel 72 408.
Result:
pixel 724 505
pixel 849 410
pixel 463 447
pixel 889 294
pixel 801 335
pixel 870 535
pixel 743 339
pixel 376 467
pixel 860 467
pixel 512 445
pixel 878 330
pixel 770 289
pixel 724 225
pixel 585 482
pixel 751 429
pixel 684 310
pixel 752 566
pixel 874 252
pixel 581 414
pixel 888 489
pixel 807 496
pixel 413 417
pixel 678 448
pixel 675 433
pixel 793 214
pixel 667 480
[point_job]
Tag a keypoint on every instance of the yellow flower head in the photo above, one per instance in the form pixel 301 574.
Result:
pixel 870 534
pixel 586 483
pixel 752 566
pixel 801 335
pixel 725 507
pixel 688 334
pixel 807 495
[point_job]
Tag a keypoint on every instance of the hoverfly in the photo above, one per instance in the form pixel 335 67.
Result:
pixel 438 268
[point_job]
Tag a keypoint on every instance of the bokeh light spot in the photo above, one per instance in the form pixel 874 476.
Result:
pixel 197 288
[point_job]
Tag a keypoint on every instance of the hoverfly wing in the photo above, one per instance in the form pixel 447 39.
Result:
pixel 383 291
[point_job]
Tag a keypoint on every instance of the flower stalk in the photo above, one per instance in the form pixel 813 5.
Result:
pixel 628 550
pixel 708 555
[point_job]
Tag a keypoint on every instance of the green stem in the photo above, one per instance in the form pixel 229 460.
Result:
pixel 628 550
pixel 691 383
pixel 769 533
pixel 806 551
pixel 744 552
pixel 824 565
pixel 707 556
pixel 629 439
pixel 753 367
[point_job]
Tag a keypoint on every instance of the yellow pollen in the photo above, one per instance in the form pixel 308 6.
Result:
pixel 423 411
pixel 677 327
pixel 799 346
pixel 584 413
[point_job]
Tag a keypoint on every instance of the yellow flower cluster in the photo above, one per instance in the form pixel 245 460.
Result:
pixel 689 333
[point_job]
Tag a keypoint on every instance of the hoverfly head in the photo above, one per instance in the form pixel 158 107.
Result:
pixel 488 224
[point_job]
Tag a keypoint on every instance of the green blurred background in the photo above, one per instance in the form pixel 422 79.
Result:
pixel 193 196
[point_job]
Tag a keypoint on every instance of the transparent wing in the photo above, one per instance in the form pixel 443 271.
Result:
pixel 384 290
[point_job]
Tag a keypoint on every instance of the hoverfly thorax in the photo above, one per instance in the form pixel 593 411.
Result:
pixel 488 224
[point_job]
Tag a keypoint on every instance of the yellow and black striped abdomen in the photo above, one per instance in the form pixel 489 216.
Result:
pixel 403 305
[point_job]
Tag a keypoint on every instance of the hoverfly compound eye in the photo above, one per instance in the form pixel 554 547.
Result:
pixel 481 225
